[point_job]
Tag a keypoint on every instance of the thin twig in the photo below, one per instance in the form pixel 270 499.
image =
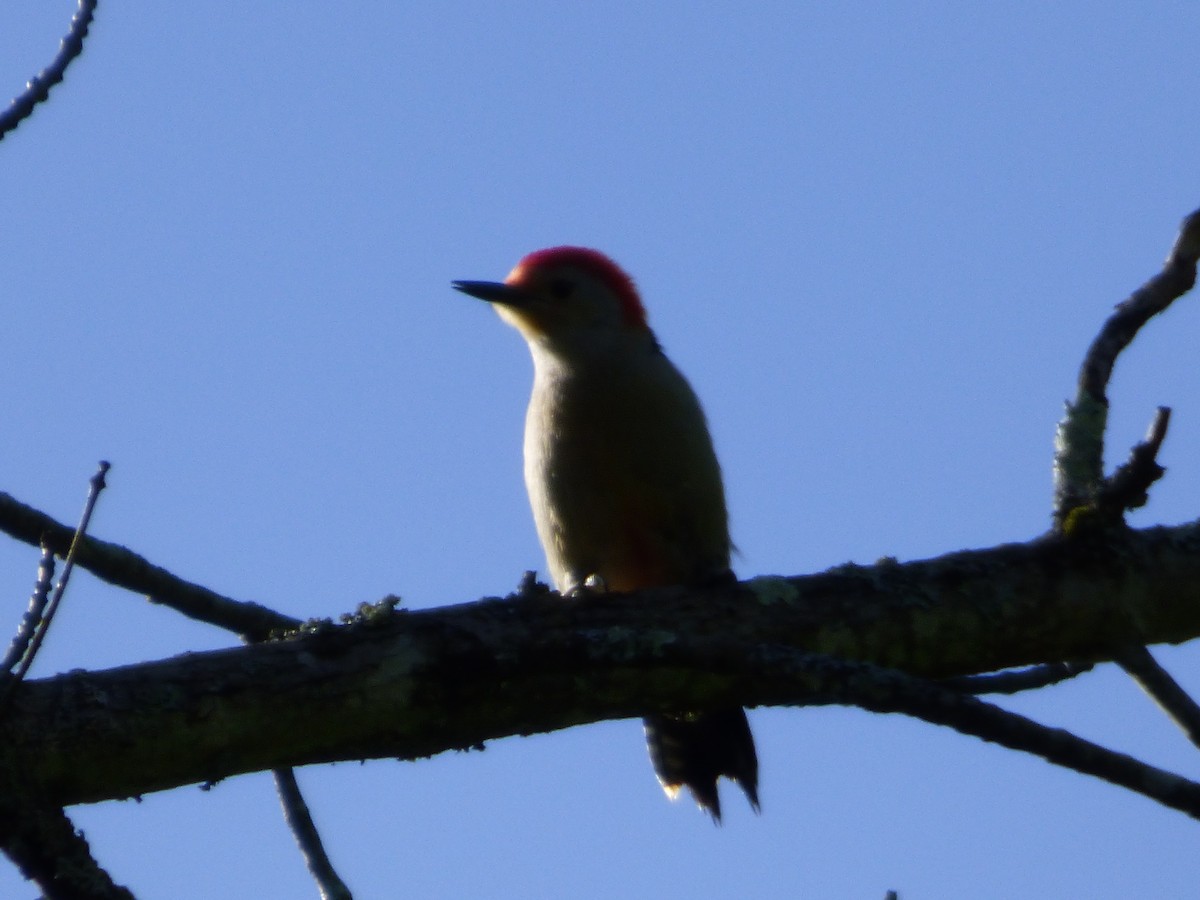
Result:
pixel 1014 682
pixel 121 567
pixel 1079 453
pixel 890 691
pixel 95 486
pixel 33 613
pixel 295 812
pixel 38 88
pixel 1163 689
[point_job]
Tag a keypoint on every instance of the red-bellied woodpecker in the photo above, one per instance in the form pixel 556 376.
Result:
pixel 624 484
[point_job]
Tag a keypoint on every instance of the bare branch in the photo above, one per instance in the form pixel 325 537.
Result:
pixel 411 684
pixel 38 87
pixel 33 613
pixel 1163 689
pixel 125 569
pixel 41 841
pixel 295 812
pixel 97 484
pixel 1021 680
pixel 889 691
pixel 1079 456
pixel 1176 279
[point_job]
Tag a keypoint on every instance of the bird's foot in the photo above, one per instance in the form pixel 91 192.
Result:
pixel 588 587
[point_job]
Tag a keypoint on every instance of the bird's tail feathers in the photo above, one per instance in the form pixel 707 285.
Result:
pixel 693 750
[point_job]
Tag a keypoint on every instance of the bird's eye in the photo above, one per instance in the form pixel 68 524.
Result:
pixel 560 289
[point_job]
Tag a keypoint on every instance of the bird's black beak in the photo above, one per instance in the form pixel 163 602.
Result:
pixel 493 292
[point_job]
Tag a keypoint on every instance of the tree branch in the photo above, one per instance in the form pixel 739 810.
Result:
pixel 38 87
pixel 299 820
pixel 123 568
pixel 19 645
pixel 1163 689
pixel 42 626
pixel 1016 681
pixel 1129 486
pixel 1079 456
pixel 41 841
pixel 889 691
pixel 411 684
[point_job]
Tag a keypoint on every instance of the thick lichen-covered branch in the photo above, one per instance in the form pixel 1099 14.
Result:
pixel 412 684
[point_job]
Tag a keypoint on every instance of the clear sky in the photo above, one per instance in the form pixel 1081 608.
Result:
pixel 877 237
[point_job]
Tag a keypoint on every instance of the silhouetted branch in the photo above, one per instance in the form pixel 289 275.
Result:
pixel 38 87
pixel 41 841
pixel 1163 689
pixel 1016 681
pixel 1128 486
pixel 1079 457
pixel 407 684
pixel 42 627
pixel 888 691
pixel 125 569
pixel 33 613
pixel 295 812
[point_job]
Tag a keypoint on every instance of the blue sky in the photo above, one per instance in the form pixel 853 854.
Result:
pixel 877 239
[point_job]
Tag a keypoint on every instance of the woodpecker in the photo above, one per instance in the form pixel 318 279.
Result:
pixel 622 477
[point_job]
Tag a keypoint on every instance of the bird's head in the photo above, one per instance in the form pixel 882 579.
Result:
pixel 565 296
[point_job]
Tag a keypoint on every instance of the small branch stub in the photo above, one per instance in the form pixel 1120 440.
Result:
pixel 1129 486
